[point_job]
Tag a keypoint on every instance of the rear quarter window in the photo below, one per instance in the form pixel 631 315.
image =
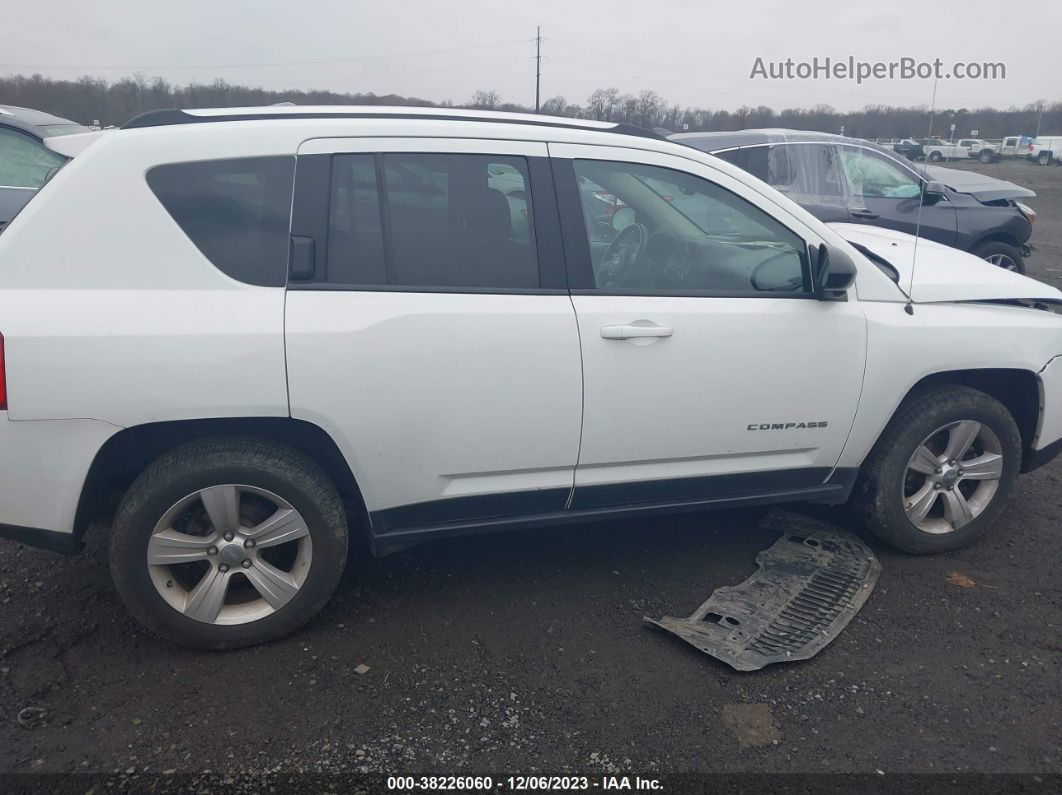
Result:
pixel 237 212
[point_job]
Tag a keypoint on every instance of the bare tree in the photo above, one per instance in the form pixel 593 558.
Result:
pixel 555 106
pixel 485 99
pixel 88 99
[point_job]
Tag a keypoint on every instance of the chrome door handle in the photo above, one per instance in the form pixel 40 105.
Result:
pixel 627 332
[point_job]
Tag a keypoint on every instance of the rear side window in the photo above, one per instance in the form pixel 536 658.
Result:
pixel 806 173
pixel 437 221
pixel 236 212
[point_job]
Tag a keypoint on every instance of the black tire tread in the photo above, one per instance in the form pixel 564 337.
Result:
pixel 869 499
pixel 292 465
pixel 990 247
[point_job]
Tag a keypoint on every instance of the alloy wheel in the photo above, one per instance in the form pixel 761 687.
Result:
pixel 952 476
pixel 1002 261
pixel 229 554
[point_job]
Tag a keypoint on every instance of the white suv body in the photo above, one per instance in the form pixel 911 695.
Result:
pixel 264 326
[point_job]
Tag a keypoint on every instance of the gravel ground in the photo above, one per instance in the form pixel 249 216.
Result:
pixel 526 653
pixel 1046 261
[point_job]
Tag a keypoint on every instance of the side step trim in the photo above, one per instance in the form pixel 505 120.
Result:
pixel 404 537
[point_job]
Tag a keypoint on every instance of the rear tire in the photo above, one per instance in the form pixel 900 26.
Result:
pixel 986 156
pixel 889 492
pixel 1002 254
pixel 935 157
pixel 1044 159
pixel 190 580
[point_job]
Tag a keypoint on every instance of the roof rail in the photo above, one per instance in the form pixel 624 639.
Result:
pixel 173 116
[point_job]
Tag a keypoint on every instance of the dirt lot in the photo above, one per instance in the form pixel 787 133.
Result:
pixel 526 653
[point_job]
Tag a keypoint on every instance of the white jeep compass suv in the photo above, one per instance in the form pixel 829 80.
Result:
pixel 255 333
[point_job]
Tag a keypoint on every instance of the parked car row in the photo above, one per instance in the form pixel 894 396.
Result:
pixel 1045 150
pixel 841 179
pixel 292 329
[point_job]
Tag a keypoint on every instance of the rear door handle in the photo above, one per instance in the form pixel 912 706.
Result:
pixel 627 332
pixel 864 214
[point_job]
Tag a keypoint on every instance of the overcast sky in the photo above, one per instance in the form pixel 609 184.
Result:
pixel 692 52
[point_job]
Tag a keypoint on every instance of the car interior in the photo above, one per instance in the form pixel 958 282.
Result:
pixel 452 222
pixel 652 228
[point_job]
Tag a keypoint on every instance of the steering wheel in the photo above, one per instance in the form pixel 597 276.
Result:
pixel 789 285
pixel 621 254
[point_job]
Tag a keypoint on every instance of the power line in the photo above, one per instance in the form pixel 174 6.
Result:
pixel 271 63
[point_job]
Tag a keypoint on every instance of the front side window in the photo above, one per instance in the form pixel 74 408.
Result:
pixel 236 212
pixel 24 161
pixel 870 175
pixel 432 221
pixel 653 229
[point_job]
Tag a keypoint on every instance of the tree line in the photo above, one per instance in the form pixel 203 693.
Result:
pixel 91 100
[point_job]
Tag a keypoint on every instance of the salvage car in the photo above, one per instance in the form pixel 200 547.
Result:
pixel 25 162
pixel 253 354
pixel 842 179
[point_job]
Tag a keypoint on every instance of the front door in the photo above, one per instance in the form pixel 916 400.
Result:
pixel 884 192
pixel 710 371
pixel 428 327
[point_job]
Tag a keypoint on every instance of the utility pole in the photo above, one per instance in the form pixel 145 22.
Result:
pixel 538 66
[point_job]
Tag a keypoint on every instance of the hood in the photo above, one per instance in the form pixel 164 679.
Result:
pixel 982 188
pixel 944 273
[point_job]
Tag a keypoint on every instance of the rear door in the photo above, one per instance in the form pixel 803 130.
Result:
pixel 429 329
pixel 808 173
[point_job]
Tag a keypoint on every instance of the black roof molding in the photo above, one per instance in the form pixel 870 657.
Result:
pixel 171 116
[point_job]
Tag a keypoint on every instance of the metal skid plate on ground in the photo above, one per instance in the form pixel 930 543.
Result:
pixel 809 584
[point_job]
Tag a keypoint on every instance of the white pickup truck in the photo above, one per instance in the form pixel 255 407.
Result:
pixel 936 150
pixel 1016 146
pixel 1047 149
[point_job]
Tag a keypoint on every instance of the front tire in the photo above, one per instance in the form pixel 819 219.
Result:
pixel 228 542
pixel 1044 159
pixel 942 471
pixel 1001 254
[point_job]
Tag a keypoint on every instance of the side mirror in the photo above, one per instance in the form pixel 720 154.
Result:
pixel 833 272
pixel 932 192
